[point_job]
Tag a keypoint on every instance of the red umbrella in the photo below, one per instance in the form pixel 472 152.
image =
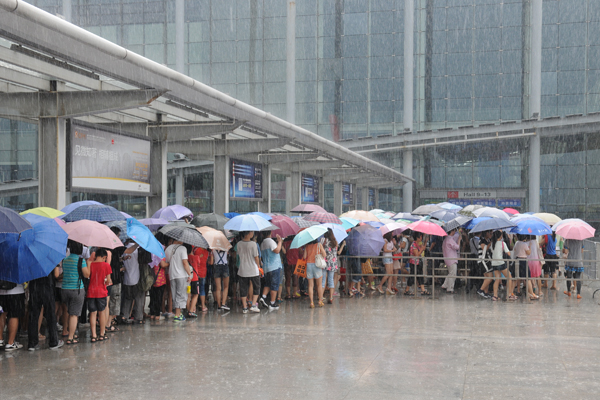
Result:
pixel 286 225
pixel 323 217
pixel 427 227
pixel 511 211
pixel 308 208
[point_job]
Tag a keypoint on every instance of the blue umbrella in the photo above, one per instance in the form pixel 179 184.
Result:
pixel 142 236
pixel 231 215
pixel 374 224
pixel 243 223
pixel 444 215
pixel 307 236
pixel 78 204
pixel 406 216
pixel 11 222
pixel 365 241
pixel 35 252
pixel 475 221
pixel 94 212
pixel 122 225
pixel 532 227
pixel 338 231
pixel 260 214
pixel 349 223
pixel 492 224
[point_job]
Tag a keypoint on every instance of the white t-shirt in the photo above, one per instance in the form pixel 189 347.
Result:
pixel 132 268
pixel 497 252
pixel 220 257
pixel 175 254
pixel 19 289
pixel 247 251
pixel 387 249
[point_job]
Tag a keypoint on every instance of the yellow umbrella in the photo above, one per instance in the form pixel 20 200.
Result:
pixel 44 212
pixel 361 215
pixel 216 239
pixel 548 218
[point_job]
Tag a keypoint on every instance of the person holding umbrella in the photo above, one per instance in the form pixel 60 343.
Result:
pixel 450 249
pixel 272 267
pixel 180 275
pixel 573 250
pixel 331 248
pixel 388 249
pixel 247 251
pixel 12 301
pixel 416 250
pixel 314 274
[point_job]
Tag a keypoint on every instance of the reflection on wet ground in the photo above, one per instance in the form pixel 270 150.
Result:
pixel 457 346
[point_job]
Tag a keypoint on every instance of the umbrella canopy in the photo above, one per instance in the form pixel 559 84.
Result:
pixel 469 225
pixel 511 211
pixel 60 221
pixel 185 235
pixel 406 216
pixel 564 221
pixel 374 224
pixel 302 223
pixel 231 214
pixel 579 230
pixel 94 212
pixel 248 222
pixel 444 215
pixel 548 218
pixel 216 239
pixel 338 231
pixel 308 235
pixel 34 253
pixel 471 208
pixel 11 222
pixel 522 217
pixel 491 212
pixel 349 223
pixel 307 208
pixel 449 206
pixel 73 206
pixel 492 224
pixel 456 222
pixel 122 225
pixel 47 212
pixel 92 233
pixel 393 227
pixel 287 226
pixel 323 218
pixel 531 227
pixel 154 224
pixel 261 214
pixel 377 211
pixel 140 234
pixel 427 227
pixel 365 241
pixel 173 213
pixel 382 216
pixel 211 220
pixel 360 215
pixel 426 209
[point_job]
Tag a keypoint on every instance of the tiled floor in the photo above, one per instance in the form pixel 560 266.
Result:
pixel 453 347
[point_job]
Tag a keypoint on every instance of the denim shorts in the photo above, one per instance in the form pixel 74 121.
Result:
pixel 312 272
pixel 198 287
pixel 221 271
pixel 273 279
pixel 388 260
pixel 328 278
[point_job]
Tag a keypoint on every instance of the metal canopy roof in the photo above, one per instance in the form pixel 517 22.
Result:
pixel 43 53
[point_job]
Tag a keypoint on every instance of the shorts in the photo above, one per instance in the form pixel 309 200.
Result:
pixel 57 294
pixel 551 266
pixel 328 279
pixel 486 267
pixel 312 272
pixel 388 260
pixel 109 290
pixel 273 279
pixel 198 287
pixel 96 304
pixel 179 292
pixel 221 271
pixel 114 304
pixel 245 284
pixel 73 298
pixel 13 305
pixel 523 269
pixel 500 267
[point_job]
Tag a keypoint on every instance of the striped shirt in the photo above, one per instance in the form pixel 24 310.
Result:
pixel 70 273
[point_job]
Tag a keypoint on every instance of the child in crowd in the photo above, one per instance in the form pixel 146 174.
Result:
pixel 97 293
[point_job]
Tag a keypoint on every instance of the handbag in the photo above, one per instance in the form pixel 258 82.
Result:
pixel 320 261
pixel 366 267
pixel 300 269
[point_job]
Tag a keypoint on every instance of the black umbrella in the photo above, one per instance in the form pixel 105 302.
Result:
pixel 185 235
pixel 211 220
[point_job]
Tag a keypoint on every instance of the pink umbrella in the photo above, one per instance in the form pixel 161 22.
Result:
pixel 287 226
pixel 579 230
pixel 92 233
pixel 323 217
pixel 60 221
pixel 393 227
pixel 308 208
pixel 427 227
pixel 511 211
pixel 216 239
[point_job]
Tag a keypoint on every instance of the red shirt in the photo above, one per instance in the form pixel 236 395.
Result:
pixel 98 272
pixel 291 255
pixel 198 260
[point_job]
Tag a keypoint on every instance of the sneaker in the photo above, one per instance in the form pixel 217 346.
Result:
pixel 255 308
pixel 12 347
pixel 225 307
pixel 181 318
pixel 36 347
pixel 262 302
pixel 58 346
pixel 273 307
pixel 245 311
pixel 1 343
pixel 482 293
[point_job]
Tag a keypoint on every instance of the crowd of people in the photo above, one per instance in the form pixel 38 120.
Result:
pixel 108 287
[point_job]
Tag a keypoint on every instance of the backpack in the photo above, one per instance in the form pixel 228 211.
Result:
pixel 6 285
pixel 147 277
pixel 86 281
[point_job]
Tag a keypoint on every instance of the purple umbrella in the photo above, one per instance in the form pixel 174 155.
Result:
pixel 154 224
pixel 365 241
pixel 286 225
pixel 173 213
pixel 77 204
pixel 307 208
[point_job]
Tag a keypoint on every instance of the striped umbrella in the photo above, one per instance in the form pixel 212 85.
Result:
pixel 94 212
pixel 324 218
pixel 302 223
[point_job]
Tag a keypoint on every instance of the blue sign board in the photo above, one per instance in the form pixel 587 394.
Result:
pixel 371 198
pixel 310 189
pixel 245 180
pixel 460 202
pixel 347 194
pixel 509 203
pixel 485 202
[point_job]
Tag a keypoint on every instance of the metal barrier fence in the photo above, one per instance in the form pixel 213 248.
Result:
pixel 433 267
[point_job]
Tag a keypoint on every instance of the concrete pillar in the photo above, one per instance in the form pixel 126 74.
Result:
pixel 407 189
pixel 221 184
pixel 409 63
pixel 364 196
pixel 291 62
pixel 295 184
pixel 179 186
pixel 535 97
pixel 180 36
pixel 322 189
pixel 52 153
pixel 67 12
pixel 288 195
pixel 265 204
pixel 534 173
pixel 376 200
pixel 158 179
pixel 337 198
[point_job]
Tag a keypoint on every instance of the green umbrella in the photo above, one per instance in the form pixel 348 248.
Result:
pixel 307 236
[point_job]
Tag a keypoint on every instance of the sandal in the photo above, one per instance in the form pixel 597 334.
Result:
pixel 105 337
pixel 494 298
pixel 312 305
pixel 408 293
pixel 72 341
pixel 513 297
pixel 93 339
pixel 321 303
pixel 330 301
pixel 112 329
pixel 141 322
pixel 425 293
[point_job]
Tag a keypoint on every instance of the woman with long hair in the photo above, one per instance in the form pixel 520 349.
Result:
pixel 416 250
pixel 499 248
pixel 388 262
pixel 314 274
pixel 330 245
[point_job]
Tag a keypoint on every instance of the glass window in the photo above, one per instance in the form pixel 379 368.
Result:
pixel 198 53
pixel 571 82
pixel 248 50
pixel 223 52
pixel 223 29
pixel 460 86
pixel 459 177
pixel 155 52
pixel 460 18
pixel 275 71
pixel 197 32
pixel 275 28
pixel 356 6
pixel 275 8
pixel 382 22
pixel 306 70
pixel 571 58
pixel 382 45
pixel 249 72
pixel 355 112
pixel 249 28
pixel 223 9
pixel 459 41
pixel 274 49
pixel 306 26
pixel 355 46
pixel 275 93
pixel 306 92
pixel 354 90
pixel 223 73
pixel 382 112
pixel 306 48
pixel 356 68
pixel 572 10
pixel 306 113
pixel 571 34
pixel 382 89
pixel 133 34
pixel 355 24
pixel 487 39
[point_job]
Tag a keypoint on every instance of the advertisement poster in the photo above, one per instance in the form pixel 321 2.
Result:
pixel 102 160
pixel 246 180
pixel 347 194
pixel 310 189
pixel 371 198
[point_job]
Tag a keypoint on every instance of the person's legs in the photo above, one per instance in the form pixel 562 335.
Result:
pixel 311 283
pixel 73 319
pixel 255 283
pixel 13 326
pixel 320 290
pixel 93 324
pixel 139 297
pixel 218 290
pixel 569 275
pixel 577 275
pixel 486 282
pixel 102 306
pixel 244 283
pixel 128 297
pixel 202 294
pixel 35 308
pixel 114 305
pixel 48 302
pixel 496 283
pixel 225 291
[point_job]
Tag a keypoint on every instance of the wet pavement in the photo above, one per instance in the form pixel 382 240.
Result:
pixel 453 347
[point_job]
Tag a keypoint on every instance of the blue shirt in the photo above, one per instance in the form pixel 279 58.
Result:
pixel 550 246
pixel 271 261
pixel 70 273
